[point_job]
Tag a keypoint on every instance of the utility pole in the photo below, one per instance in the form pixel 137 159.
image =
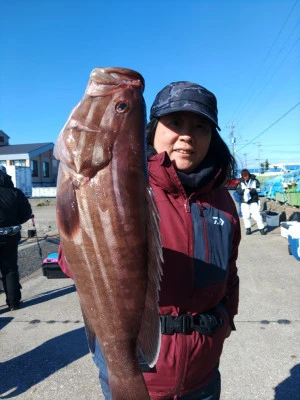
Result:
pixel 258 154
pixel 245 160
pixel 231 126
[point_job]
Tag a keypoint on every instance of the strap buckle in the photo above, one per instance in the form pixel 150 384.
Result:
pixel 181 324
pixel 206 323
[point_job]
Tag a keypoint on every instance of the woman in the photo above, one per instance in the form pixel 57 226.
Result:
pixel 188 163
pixel 247 189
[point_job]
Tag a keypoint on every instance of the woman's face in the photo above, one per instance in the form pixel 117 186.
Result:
pixel 185 136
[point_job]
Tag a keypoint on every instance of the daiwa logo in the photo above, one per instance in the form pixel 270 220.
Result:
pixel 218 221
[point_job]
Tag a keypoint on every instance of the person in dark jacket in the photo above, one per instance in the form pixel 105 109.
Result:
pixel 15 209
pixel 247 190
pixel 188 163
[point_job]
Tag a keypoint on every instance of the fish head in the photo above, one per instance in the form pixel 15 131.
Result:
pixel 112 101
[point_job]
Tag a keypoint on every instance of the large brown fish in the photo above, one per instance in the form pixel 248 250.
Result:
pixel 108 225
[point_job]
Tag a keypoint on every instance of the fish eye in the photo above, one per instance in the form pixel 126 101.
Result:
pixel 122 107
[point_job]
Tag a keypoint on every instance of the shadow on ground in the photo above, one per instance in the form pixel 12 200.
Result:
pixel 21 373
pixel 45 296
pixel 289 388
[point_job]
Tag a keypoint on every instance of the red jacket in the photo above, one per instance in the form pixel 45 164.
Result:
pixel 200 237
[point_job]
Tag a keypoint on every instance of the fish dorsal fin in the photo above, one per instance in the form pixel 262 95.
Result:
pixel 150 335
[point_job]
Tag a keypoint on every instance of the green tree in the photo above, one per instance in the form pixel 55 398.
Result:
pixel 264 166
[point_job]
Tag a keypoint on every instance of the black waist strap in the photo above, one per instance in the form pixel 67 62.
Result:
pixel 206 323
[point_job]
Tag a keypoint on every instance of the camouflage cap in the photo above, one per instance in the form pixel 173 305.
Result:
pixel 185 96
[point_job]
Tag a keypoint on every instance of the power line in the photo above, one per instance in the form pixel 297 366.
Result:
pixel 262 63
pixel 269 127
pixel 281 145
pixel 259 108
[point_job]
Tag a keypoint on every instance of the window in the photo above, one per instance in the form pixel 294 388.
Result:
pixel 45 170
pixel 34 168
pixel 19 163
pixel 1 139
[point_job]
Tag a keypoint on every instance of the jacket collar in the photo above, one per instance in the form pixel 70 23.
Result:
pixel 162 173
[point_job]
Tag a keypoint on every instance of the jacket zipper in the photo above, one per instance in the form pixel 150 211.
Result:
pixel 204 233
pixel 181 339
pixel 187 206
pixel 184 339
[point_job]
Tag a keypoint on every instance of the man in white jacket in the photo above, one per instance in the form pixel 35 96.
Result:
pixel 247 189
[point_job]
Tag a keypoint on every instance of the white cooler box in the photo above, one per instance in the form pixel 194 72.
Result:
pixel 286 225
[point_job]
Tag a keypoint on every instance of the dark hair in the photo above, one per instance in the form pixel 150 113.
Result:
pixel 218 152
pixel 150 131
pixel 245 172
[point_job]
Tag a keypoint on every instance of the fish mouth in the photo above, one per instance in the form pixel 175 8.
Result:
pixel 117 76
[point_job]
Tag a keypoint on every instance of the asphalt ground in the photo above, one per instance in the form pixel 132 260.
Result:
pixel 43 349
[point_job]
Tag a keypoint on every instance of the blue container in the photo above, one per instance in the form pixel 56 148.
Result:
pixel 294 247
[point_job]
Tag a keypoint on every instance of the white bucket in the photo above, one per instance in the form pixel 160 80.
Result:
pixel 272 220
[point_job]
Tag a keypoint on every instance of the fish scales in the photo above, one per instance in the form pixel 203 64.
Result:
pixel 108 225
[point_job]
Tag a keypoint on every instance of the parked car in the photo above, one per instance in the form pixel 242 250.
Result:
pixel 231 184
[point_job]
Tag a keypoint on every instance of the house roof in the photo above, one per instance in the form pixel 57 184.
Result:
pixel 3 133
pixel 24 150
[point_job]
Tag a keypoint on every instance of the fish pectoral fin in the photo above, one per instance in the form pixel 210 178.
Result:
pixel 90 333
pixel 150 332
pixel 149 338
pixel 66 206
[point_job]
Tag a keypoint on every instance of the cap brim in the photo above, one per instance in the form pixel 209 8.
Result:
pixel 163 111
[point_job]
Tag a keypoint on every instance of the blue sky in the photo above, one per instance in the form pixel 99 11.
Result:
pixel 247 52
